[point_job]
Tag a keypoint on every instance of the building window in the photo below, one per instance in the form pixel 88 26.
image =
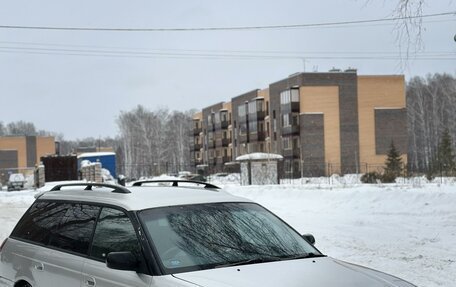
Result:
pixel 241 110
pixel 295 95
pixel 286 143
pixel 197 124
pixel 217 118
pixel 295 119
pixel 295 143
pixel 253 127
pixel 252 107
pixel 224 116
pixel 259 105
pixel 289 96
pixel 286 120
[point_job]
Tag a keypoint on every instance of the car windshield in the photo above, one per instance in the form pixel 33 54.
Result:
pixel 203 236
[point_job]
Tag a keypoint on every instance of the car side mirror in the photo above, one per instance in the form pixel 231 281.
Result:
pixel 122 261
pixel 309 238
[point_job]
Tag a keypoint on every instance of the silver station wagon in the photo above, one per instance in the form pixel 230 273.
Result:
pixel 163 234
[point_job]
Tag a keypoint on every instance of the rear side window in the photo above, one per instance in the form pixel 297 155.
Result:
pixel 114 232
pixel 62 225
pixel 75 229
pixel 40 221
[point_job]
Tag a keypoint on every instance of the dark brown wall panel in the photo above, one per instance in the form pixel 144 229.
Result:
pixel 312 144
pixel 390 126
pixel 30 142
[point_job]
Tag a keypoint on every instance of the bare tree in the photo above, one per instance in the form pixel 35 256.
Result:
pixel 431 108
pixel 154 142
pixel 2 129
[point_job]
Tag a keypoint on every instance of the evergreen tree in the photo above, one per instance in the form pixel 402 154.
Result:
pixel 393 165
pixel 445 159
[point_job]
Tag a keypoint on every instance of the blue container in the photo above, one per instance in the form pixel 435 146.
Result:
pixel 107 160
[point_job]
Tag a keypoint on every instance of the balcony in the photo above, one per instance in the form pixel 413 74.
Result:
pixel 257 136
pixel 197 147
pixel 226 142
pixel 292 107
pixel 211 144
pixel 291 153
pixel 224 124
pixel 197 131
pixel 290 130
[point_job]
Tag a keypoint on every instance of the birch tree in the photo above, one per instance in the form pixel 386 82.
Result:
pixel 431 108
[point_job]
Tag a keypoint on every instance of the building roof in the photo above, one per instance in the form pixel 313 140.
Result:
pixel 259 156
pixel 92 154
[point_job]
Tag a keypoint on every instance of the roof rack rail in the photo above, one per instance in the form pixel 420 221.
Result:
pixel 89 185
pixel 175 182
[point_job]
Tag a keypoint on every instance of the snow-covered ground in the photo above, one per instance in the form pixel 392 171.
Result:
pixel 405 230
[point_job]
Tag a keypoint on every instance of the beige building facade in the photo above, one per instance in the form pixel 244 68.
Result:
pixel 321 123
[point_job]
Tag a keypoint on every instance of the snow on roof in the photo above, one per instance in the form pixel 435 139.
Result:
pixel 389 108
pixel 259 156
pixel 91 154
pixel 312 113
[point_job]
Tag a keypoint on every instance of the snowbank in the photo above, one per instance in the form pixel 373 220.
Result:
pixel 404 230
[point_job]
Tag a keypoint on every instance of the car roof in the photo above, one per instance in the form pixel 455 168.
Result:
pixel 144 197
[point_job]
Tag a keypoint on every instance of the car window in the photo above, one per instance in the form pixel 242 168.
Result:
pixel 39 221
pixel 114 232
pixel 203 236
pixel 75 229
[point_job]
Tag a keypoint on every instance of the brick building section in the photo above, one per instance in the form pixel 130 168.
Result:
pixel 321 123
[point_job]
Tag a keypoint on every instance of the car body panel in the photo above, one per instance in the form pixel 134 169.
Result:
pixel 315 272
pixel 97 272
pixel 40 266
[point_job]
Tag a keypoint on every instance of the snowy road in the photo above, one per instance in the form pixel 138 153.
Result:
pixel 408 232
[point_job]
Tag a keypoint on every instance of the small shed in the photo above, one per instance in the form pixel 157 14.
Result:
pixel 259 168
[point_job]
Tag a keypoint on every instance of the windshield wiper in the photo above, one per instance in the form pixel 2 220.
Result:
pixel 251 261
pixel 302 256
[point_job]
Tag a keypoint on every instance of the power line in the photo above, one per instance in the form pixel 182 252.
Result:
pixel 267 27
pixel 212 56
pixel 111 49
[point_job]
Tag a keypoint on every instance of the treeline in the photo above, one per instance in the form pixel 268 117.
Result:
pixel 431 109
pixel 22 128
pixel 154 142
pixel 149 142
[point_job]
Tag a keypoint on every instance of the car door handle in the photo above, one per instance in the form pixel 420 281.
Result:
pixel 90 282
pixel 39 266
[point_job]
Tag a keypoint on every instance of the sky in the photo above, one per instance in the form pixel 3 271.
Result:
pixel 78 82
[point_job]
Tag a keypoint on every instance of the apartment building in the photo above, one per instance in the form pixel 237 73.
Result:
pixel 321 123
pixel 212 134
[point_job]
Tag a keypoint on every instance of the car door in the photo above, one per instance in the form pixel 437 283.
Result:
pixel 114 232
pixel 69 243
pixel 50 242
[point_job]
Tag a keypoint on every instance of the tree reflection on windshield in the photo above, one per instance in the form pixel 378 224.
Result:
pixel 206 235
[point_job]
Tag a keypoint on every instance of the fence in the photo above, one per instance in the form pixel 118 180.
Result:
pixel 33 178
